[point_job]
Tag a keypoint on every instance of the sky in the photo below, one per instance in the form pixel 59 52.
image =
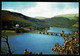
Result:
pixel 42 9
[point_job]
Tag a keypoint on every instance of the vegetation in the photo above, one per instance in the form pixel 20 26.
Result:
pixel 74 18
pixel 30 53
pixel 71 46
pixel 6 41
pixel 10 19
pixel 63 21
pixel 9 32
pixel 69 16
pixel 40 18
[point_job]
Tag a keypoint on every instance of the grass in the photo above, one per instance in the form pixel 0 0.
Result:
pixel 26 29
pixel 70 16
pixel 9 33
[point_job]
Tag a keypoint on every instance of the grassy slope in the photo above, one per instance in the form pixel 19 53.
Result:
pixel 9 32
pixel 40 18
pixel 72 17
pixel 9 18
pixel 69 16
pixel 64 21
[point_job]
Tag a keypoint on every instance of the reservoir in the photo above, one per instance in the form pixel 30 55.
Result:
pixel 35 42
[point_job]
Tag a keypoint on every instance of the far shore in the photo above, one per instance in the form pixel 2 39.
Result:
pixel 9 33
pixel 12 32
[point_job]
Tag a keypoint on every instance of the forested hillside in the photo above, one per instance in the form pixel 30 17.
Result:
pixel 66 21
pixel 10 19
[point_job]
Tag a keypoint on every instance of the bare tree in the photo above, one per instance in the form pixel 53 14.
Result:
pixel 6 41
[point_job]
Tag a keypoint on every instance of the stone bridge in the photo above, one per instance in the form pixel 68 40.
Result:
pixel 55 34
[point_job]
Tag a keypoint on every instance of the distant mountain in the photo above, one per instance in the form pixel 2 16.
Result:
pixel 40 18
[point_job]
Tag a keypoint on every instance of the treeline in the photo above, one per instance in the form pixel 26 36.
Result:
pixel 12 24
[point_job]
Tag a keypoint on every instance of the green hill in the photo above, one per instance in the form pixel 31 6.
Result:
pixel 64 21
pixel 41 18
pixel 72 17
pixel 69 16
pixel 10 19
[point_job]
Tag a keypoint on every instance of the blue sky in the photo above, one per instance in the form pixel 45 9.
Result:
pixel 17 5
pixel 42 9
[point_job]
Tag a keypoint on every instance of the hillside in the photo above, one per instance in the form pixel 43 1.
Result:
pixel 10 19
pixel 7 15
pixel 64 21
pixel 69 16
pixel 40 18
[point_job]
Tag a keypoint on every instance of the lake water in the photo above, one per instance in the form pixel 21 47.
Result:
pixel 36 43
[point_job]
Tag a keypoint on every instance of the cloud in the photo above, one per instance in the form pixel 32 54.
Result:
pixel 41 9
pixel 48 9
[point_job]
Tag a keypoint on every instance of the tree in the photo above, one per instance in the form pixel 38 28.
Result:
pixel 6 38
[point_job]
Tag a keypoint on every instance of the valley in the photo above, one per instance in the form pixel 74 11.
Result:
pixel 26 23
